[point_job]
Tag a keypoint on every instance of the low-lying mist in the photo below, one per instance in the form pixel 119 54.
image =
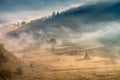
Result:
pixel 106 37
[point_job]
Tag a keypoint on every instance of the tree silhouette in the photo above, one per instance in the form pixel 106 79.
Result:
pixel 53 14
pixel 23 23
pixel 19 71
pixel 53 42
pixel 86 56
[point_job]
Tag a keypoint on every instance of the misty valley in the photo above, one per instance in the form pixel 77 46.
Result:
pixel 60 40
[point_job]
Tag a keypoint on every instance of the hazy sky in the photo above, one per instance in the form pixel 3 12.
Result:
pixel 17 10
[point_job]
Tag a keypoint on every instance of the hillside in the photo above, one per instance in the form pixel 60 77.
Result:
pixel 11 68
pixel 90 22
pixel 75 18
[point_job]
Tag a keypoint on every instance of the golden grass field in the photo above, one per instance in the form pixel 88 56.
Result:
pixel 47 66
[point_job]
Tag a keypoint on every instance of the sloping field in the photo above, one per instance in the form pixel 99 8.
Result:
pixel 67 67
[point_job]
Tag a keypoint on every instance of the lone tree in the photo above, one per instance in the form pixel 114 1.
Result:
pixel 23 23
pixel 86 56
pixel 53 42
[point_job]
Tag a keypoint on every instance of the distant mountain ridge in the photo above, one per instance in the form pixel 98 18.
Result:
pixel 73 18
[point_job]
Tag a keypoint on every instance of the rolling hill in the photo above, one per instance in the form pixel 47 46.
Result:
pixel 11 68
pixel 97 20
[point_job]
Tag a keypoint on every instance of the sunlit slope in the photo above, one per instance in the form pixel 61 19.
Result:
pixel 11 67
pixel 71 67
